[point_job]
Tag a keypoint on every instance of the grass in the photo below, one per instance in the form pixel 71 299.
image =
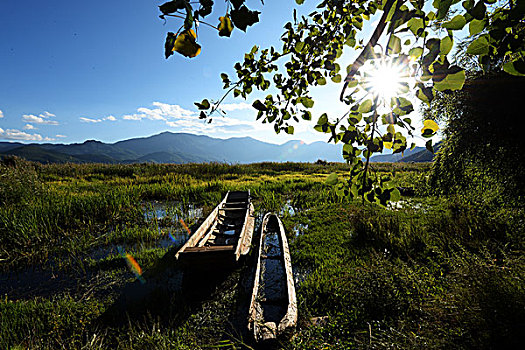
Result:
pixel 436 272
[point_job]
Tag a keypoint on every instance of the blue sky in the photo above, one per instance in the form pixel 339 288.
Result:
pixel 72 71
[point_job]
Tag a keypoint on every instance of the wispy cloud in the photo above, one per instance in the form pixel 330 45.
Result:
pixel 186 120
pixel 13 134
pixel 89 120
pixel 40 119
pixel 99 120
pixel 29 127
pixel 59 136
pixel 1 114
pixel 228 107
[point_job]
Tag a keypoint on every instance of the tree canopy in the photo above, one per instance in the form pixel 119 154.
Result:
pixel 418 37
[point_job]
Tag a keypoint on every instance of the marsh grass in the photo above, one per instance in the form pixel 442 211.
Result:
pixel 434 272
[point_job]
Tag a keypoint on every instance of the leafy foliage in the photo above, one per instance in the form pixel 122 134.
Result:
pixel 309 56
pixel 481 154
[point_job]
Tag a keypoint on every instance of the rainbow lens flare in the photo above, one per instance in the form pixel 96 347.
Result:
pixel 132 264
pixel 185 226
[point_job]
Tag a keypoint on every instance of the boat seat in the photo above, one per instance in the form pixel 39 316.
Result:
pixel 215 248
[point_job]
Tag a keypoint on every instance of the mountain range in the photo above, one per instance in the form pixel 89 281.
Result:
pixel 170 147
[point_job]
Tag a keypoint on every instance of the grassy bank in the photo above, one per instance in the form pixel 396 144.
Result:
pixel 427 272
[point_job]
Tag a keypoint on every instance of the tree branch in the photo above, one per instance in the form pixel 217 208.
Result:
pixel 360 60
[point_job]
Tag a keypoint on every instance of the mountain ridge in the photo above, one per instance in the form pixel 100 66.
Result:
pixel 168 147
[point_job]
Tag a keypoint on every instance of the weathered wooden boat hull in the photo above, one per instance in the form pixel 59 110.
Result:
pixel 223 238
pixel 273 306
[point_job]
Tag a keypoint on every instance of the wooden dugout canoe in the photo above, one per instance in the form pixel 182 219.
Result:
pixel 273 306
pixel 223 238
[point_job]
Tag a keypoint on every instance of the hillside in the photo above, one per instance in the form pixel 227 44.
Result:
pixel 175 148
pixel 181 148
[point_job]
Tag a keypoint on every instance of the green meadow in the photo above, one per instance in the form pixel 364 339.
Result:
pixel 427 271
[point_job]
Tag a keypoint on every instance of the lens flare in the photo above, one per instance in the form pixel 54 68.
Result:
pixel 132 264
pixel 384 78
pixel 185 226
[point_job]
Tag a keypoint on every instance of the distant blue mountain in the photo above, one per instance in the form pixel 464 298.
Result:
pixel 179 148
pixel 170 147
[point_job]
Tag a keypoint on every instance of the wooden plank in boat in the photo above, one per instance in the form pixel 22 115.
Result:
pixel 215 248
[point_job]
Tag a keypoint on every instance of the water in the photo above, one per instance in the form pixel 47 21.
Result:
pixel 300 229
pixel 272 287
pixel 171 211
pixel 407 204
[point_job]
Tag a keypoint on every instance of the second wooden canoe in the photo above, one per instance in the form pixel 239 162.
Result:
pixel 273 306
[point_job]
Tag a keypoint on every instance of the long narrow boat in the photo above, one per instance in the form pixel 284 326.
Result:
pixel 223 238
pixel 273 307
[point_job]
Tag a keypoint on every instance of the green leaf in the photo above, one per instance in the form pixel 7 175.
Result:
pixel 321 80
pixel 430 127
pixel 415 52
pixel 442 6
pixel 299 2
pixel 452 81
pixel 467 4
pixel 415 24
pixel 429 147
pixel 307 102
pixel 171 6
pixel 331 179
pixel 323 119
pixel 446 45
pixel 243 17
pixel 478 11
pixel 394 45
pixel 205 104
pixel 168 45
pixel 258 105
pixel 515 68
pixel 299 46
pixel 365 106
pixel 185 44
pixel 289 129
pixel 480 46
pixel 456 23
pixel 395 195
pixel 307 115
pixel 476 26
pixel 225 26
pixel 336 78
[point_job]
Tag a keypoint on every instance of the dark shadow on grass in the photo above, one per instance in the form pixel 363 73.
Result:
pixel 167 294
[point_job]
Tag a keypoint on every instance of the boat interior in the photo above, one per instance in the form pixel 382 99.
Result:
pixel 273 293
pixel 226 229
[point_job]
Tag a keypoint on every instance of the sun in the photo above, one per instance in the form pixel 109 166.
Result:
pixel 383 79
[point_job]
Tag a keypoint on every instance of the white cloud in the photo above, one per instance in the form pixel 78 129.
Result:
pixel 1 114
pixel 228 107
pixel 41 119
pixel 184 120
pixel 46 114
pixel 13 134
pixel 29 127
pixel 60 136
pixel 89 120
pixel 133 117
pixel 92 120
